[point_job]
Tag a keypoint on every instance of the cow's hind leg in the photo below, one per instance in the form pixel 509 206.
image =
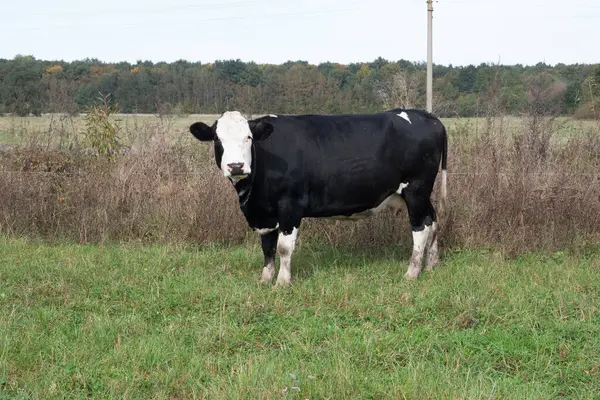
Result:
pixel 268 242
pixel 422 217
pixel 433 258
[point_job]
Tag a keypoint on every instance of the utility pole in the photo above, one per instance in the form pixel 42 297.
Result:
pixel 429 56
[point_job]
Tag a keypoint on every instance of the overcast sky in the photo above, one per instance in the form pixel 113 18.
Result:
pixel 274 31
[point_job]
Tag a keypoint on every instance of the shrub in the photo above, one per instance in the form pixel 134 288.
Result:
pixel 101 133
pixel 514 184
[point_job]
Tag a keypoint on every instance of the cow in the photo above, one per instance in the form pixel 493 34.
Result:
pixel 349 166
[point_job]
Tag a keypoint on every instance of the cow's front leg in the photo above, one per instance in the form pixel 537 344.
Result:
pixel 285 247
pixel 268 242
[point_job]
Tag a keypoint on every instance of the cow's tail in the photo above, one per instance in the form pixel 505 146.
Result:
pixel 444 183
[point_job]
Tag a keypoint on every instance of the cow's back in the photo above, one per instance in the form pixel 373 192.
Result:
pixel 341 164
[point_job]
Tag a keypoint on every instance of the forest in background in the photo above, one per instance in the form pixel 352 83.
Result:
pixel 32 86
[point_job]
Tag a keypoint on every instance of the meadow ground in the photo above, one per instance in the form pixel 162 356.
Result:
pixel 51 128
pixel 162 321
pixel 148 320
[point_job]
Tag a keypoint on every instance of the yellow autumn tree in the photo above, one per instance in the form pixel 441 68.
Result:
pixel 54 69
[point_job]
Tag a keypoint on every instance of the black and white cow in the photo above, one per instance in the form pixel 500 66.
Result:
pixel 286 168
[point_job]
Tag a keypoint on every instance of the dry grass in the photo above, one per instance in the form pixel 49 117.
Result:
pixel 512 186
pixel 162 189
pixel 523 190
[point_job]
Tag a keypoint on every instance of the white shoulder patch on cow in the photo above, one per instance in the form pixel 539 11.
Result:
pixel 272 115
pixel 405 116
pixel 401 187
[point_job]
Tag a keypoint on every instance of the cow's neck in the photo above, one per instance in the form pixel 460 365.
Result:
pixel 244 186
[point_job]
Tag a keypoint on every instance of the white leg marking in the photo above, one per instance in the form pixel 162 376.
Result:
pixel 401 187
pixel 285 248
pixel 419 244
pixel 433 258
pixel 268 272
pixel 234 132
pixel 405 116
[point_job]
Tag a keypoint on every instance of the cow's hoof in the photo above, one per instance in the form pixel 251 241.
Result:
pixel 411 275
pixel 432 263
pixel 281 283
pixel 267 275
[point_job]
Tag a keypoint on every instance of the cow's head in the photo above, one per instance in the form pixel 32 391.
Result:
pixel 233 136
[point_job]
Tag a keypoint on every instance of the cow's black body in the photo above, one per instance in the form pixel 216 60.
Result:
pixel 326 166
pixel 339 166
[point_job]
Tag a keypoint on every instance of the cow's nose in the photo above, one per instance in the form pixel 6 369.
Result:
pixel 236 168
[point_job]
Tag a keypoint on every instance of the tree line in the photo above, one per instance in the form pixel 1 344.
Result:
pixel 32 86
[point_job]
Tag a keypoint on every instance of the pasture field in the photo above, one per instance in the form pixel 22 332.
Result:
pixel 157 316
pixel 56 129
pixel 173 322
pixel 52 128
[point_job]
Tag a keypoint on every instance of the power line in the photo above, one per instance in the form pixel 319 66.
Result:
pixel 530 2
pixel 293 14
pixel 242 3
pixel 536 3
pixel 155 10
pixel 195 21
pixel 530 16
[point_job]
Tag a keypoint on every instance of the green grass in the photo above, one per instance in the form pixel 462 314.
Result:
pixel 167 322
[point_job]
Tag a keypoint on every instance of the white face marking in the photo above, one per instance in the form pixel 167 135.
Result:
pixel 401 187
pixel 234 133
pixel 272 115
pixel 405 116
pixel 285 248
pixel 419 244
pixel 264 231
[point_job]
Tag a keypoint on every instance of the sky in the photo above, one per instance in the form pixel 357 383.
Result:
pixel 274 31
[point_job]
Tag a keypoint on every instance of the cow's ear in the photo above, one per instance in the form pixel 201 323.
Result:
pixel 260 130
pixel 202 132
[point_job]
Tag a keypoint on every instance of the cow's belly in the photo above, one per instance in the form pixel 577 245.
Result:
pixel 393 202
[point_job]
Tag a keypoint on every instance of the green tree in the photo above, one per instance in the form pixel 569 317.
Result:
pixel 22 88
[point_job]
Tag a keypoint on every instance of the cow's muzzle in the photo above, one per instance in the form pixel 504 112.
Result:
pixel 236 169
